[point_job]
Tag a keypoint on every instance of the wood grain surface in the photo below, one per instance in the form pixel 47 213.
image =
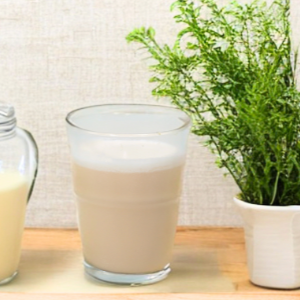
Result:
pixel 226 244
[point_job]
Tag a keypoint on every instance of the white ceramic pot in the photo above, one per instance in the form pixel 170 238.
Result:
pixel 272 235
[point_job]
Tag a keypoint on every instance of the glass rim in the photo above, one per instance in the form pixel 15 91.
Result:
pixel 186 121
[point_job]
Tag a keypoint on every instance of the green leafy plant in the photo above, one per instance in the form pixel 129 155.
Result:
pixel 232 70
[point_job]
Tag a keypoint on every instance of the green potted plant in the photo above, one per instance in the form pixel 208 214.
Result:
pixel 232 70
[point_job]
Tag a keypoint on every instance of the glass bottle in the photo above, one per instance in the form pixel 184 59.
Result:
pixel 18 170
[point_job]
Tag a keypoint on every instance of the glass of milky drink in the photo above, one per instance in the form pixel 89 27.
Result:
pixel 127 165
pixel 18 168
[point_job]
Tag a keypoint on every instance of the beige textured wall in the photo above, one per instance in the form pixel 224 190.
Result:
pixel 57 55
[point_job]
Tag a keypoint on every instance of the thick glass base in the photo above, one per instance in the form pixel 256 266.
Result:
pixel 8 279
pixel 127 279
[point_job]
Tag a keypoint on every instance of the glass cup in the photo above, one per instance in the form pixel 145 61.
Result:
pixel 127 165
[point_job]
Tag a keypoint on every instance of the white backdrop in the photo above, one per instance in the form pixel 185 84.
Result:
pixel 58 55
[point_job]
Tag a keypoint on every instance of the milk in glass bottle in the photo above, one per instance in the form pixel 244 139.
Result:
pixel 18 169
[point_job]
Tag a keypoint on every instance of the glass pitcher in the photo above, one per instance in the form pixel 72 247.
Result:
pixel 18 170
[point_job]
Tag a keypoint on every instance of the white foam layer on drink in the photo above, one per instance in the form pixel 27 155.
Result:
pixel 127 155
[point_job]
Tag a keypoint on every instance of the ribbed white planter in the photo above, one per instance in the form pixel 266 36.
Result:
pixel 272 237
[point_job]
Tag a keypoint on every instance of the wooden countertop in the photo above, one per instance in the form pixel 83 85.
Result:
pixel 208 264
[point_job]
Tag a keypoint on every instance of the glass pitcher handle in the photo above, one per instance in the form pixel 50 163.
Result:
pixel 33 156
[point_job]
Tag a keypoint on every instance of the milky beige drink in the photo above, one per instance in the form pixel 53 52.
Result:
pixel 127 163
pixel 127 219
pixel 13 199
